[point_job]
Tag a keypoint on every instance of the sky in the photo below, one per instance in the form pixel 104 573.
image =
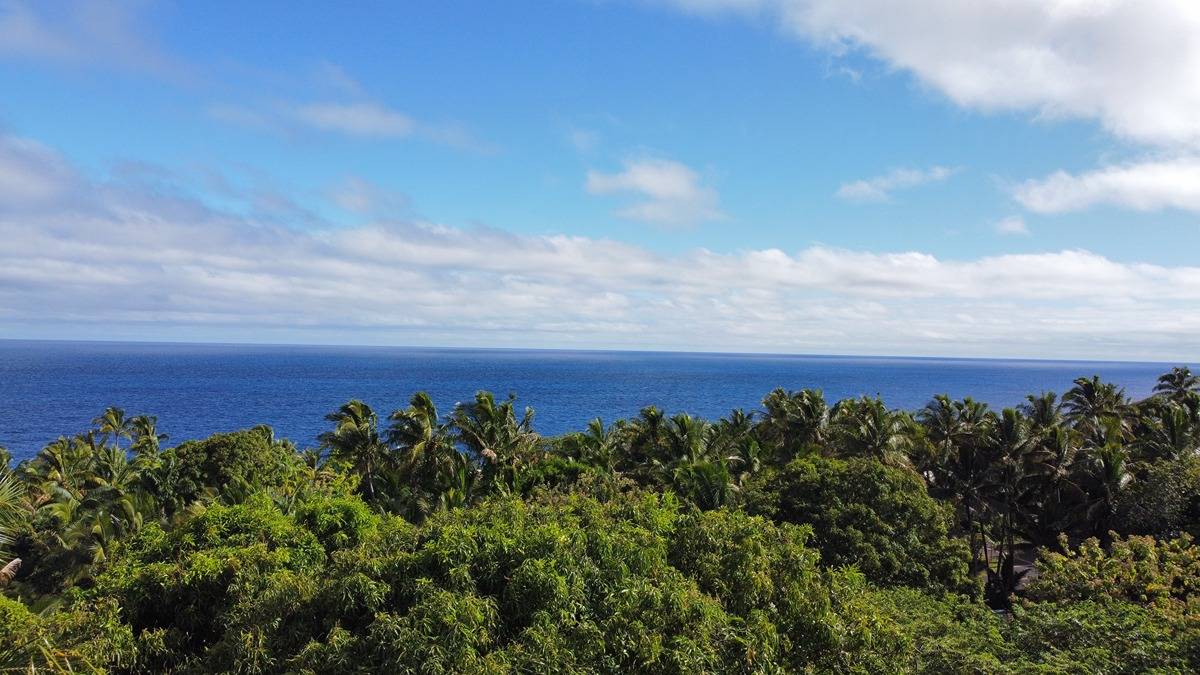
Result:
pixel 1000 178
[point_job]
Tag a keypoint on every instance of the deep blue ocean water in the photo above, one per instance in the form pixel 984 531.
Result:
pixel 53 388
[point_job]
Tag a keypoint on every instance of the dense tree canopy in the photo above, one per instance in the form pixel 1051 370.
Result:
pixel 805 536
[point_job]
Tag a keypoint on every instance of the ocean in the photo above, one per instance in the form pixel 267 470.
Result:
pixel 49 388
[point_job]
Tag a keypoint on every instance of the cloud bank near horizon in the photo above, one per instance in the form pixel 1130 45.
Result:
pixel 90 258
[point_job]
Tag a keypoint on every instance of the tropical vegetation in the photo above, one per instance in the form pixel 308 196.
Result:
pixel 805 536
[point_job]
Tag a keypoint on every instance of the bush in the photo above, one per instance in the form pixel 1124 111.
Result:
pixel 186 590
pixel 876 517
pixel 1164 501
pixel 1138 569
pixel 234 464
pixel 338 521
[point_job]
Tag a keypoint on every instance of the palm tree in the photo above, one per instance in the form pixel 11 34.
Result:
pixel 793 421
pixel 865 427
pixel 953 425
pixel 493 434
pixel 1178 384
pixel 459 490
pixel 1043 411
pixel 12 508
pixel 645 438
pixel 355 439
pixel 418 433
pixel 427 454
pixel 958 435
pixel 1101 468
pixel 1008 486
pixel 1168 431
pixel 113 425
pixel 1055 494
pixel 146 439
pixel 597 446
pixel 708 485
pixel 1090 402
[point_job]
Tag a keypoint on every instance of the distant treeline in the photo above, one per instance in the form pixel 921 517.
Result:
pixel 803 536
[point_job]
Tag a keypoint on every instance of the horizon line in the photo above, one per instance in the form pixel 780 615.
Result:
pixel 611 350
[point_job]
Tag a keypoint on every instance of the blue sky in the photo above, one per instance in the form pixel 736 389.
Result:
pixel 992 179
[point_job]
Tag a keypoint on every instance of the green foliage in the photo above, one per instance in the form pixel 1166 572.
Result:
pixel 87 638
pixel 1100 637
pixel 187 588
pixel 1163 501
pixel 1137 569
pixel 230 465
pixel 805 537
pixel 338 522
pixel 876 517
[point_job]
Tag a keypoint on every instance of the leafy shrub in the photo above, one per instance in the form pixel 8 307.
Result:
pixel 876 517
pixel 234 464
pixel 1164 501
pixel 338 522
pixel 186 588
pixel 1136 569
pixel 1100 637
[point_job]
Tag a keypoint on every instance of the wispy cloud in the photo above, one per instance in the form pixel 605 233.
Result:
pixel 583 140
pixel 366 198
pixel 201 271
pixel 880 188
pixel 670 193
pixel 335 77
pixel 1144 186
pixel 355 119
pixel 85 34
pixel 1012 225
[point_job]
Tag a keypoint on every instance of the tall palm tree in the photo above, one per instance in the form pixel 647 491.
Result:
pixel 113 425
pixel 427 456
pixel 794 421
pixel 1009 483
pixel 418 433
pixel 1055 494
pixel 494 435
pixel 865 427
pixel 1043 411
pixel 1167 431
pixel 958 440
pixel 1102 469
pixel 12 509
pixel 951 426
pixel 686 440
pixel 144 431
pixel 1091 401
pixel 355 439
pixel 1178 384
pixel 645 438
pixel 597 446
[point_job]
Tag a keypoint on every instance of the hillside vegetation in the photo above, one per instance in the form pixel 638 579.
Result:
pixel 806 536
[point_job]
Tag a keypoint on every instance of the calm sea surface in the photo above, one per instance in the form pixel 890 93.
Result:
pixel 53 388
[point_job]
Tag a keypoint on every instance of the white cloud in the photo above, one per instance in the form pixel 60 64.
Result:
pixel 583 140
pixel 364 197
pixel 84 33
pixel 1133 65
pixel 1012 225
pixel 200 273
pixel 671 192
pixel 1146 186
pixel 335 77
pixel 30 173
pixel 879 188
pixel 356 119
